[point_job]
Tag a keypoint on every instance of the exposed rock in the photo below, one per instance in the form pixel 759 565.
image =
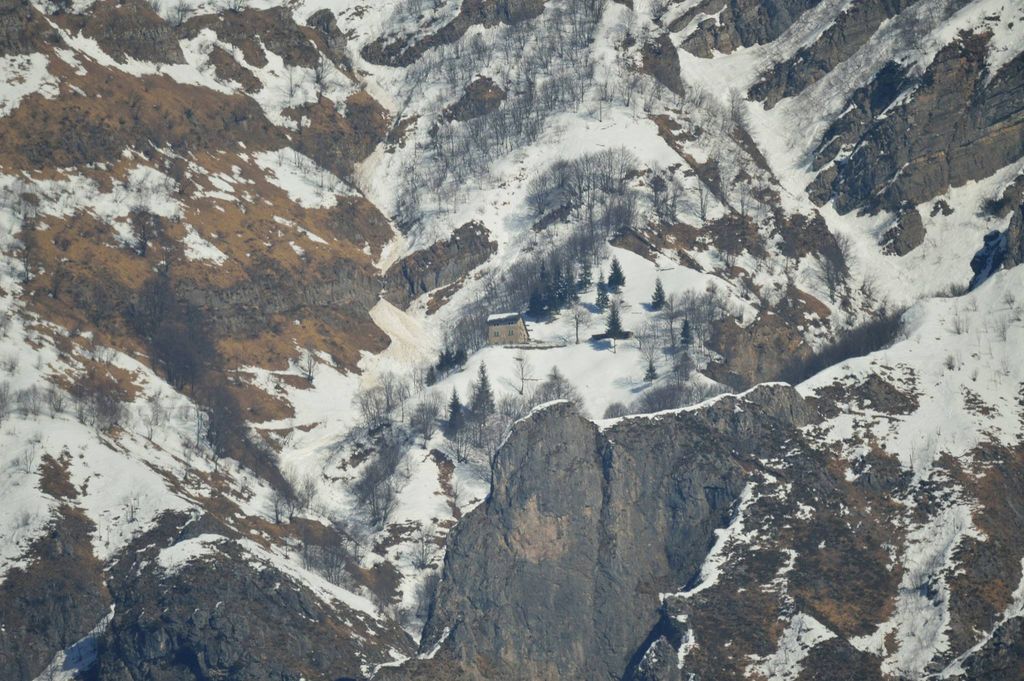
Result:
pixel 662 61
pixel 739 23
pixel 72 131
pixel 53 602
pixel 1001 249
pixel 1015 239
pixel 253 29
pixel 227 614
pixel 404 50
pixel 957 124
pixel 336 141
pixel 344 288
pixel 1012 196
pixel 850 31
pixel 557 574
pixel 226 68
pixel 443 263
pixel 1002 656
pixel 132 29
pixel 803 235
pixel 481 97
pixel 324 23
pixel 906 235
pixel 756 352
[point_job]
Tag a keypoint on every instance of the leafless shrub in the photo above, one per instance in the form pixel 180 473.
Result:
pixel 425 415
pixel 29 401
pixel 180 12
pixel 615 410
pixel 54 400
pixel 423 548
pixel 958 322
pixel 25 462
pixel 376 489
pixel 372 407
pixel 834 264
pixel 97 401
pixel 5 400
pixel 307 364
pixel 10 364
pixel 155 414
pixel 305 492
pixel 461 445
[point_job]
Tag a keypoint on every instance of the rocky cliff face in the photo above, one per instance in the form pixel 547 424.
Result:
pixel 133 30
pixel 956 123
pixel 253 178
pixel 208 608
pixel 442 264
pixel 403 50
pixel 738 23
pixel 840 41
pixel 1001 249
pixel 584 527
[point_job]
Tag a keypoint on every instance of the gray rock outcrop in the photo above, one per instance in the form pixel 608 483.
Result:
pixel 443 263
pixel 739 23
pixel 558 574
pixel 406 49
pixel 957 123
pixel 851 30
pixel 230 615
pixel 133 30
pixel 1001 249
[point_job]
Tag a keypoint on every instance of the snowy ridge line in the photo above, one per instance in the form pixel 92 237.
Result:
pixel 606 424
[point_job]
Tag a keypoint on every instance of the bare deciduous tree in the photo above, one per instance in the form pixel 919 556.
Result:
pixel 580 316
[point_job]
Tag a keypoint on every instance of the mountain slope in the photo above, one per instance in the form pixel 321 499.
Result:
pixel 249 250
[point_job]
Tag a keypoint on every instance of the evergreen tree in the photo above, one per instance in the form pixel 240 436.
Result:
pixel 683 367
pixel 614 327
pixel 561 285
pixel 583 280
pixel 482 403
pixel 536 306
pixel 687 335
pixel 652 373
pixel 456 417
pixel 658 299
pixel 572 286
pixel 602 292
pixel 557 387
pixel 616 279
pixel 544 286
pixel 431 378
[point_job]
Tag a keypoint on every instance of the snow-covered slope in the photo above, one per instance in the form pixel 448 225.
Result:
pixel 274 169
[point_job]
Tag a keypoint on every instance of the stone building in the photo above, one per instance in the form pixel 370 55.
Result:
pixel 507 329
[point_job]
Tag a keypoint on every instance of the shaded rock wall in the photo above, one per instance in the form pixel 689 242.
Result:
pixel 405 50
pixel 228 615
pixel 443 263
pixel 851 30
pixel 955 125
pixel 741 23
pixel 557 574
